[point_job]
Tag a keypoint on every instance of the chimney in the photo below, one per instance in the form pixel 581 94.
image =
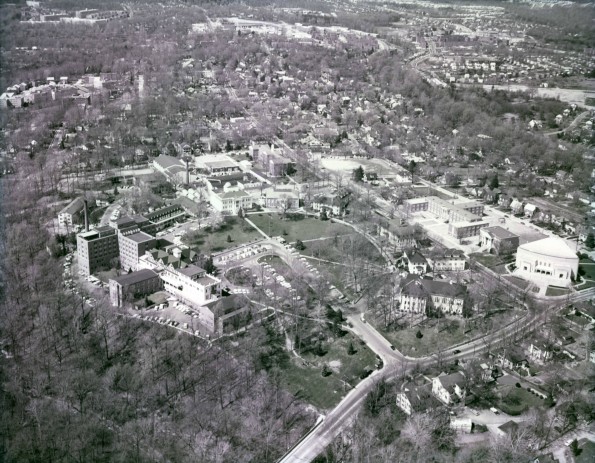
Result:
pixel 86 215
pixel 187 171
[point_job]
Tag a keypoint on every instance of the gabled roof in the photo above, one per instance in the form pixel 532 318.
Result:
pixel 76 205
pixel 450 381
pixel 416 258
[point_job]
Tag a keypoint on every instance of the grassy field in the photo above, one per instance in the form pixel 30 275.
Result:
pixel 297 226
pixel 326 392
pixel 436 337
pixel 587 454
pixel 523 284
pixel 488 260
pixel 556 291
pixel 515 400
pixel 587 270
pixel 213 239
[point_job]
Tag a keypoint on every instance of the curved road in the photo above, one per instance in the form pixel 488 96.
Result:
pixel 394 362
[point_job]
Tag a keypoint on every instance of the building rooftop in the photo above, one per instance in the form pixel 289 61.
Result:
pixel 551 246
pixel 140 237
pixel 499 232
pixel 135 277
pixel 73 207
pixel 448 381
pixel 192 271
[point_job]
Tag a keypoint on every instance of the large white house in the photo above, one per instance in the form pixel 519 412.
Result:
pixel 449 388
pixel 547 261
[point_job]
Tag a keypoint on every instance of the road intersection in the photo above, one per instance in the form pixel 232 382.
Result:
pixel 396 363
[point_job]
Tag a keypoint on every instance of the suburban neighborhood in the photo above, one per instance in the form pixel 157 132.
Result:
pixel 324 231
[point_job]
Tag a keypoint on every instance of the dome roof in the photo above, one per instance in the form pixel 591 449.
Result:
pixel 553 247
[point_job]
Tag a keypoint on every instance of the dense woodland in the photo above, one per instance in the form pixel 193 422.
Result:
pixel 82 384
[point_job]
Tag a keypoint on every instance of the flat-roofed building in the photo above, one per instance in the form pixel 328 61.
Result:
pixel 218 165
pixel 191 284
pixel 132 247
pixel 96 249
pixel 461 230
pixel 498 240
pixel 133 285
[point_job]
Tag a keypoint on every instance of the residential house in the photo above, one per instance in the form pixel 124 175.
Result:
pixel 449 389
pixel 516 206
pixel 491 196
pixel 399 237
pixel 448 260
pixel 498 240
pixel 69 215
pixel 415 399
pixel 504 201
pixel 335 205
pixel 541 351
pixel 511 359
pixel 417 264
pixel 529 210
pixel 508 429
pixel 133 285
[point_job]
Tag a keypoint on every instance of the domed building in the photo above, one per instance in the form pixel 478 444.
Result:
pixel 548 261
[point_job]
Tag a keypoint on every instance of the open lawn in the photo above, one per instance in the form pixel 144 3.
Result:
pixel 556 291
pixel 516 400
pixel 298 226
pixel 436 336
pixel 587 270
pixel 213 239
pixel 326 392
pixel 523 284
pixel 587 454
pixel 488 260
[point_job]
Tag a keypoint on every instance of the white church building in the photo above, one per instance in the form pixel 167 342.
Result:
pixel 548 261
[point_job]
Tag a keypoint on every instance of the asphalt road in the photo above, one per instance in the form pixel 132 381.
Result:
pixel 394 362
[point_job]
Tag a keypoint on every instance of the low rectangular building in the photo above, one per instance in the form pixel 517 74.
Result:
pixel 498 240
pixel 462 230
pixel 69 215
pixel 191 284
pixel 133 286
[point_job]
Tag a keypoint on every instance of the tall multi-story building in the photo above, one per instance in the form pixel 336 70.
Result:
pixel 132 247
pixel 96 249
